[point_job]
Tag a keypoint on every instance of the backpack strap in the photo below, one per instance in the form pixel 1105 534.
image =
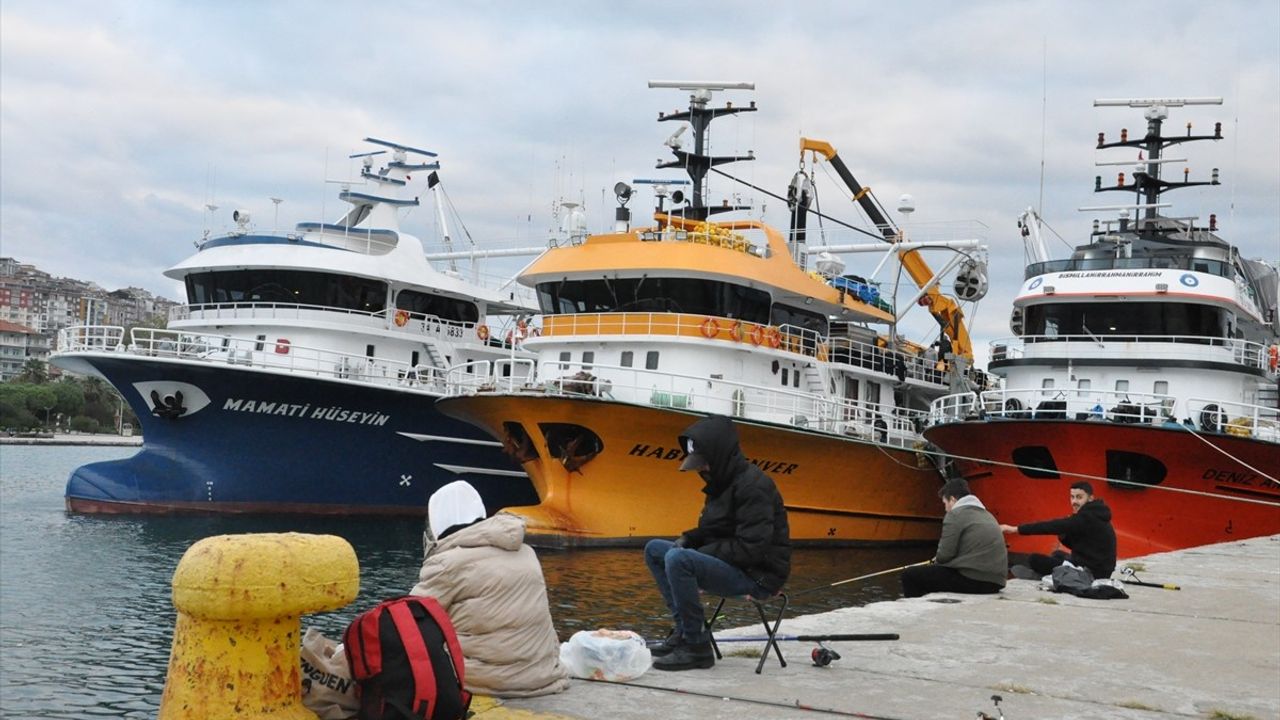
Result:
pixel 432 606
pixel 424 680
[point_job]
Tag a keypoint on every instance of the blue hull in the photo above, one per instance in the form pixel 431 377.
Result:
pixel 267 442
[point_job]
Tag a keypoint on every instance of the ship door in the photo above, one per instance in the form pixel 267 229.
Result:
pixel 851 398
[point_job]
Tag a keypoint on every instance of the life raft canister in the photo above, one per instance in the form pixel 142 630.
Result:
pixel 282 346
pixel 402 317
pixel 1273 357
pixel 710 328
pixel 482 332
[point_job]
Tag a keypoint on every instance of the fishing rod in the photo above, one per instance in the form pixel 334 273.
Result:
pixel 868 576
pixel 797 705
pixel 850 637
pixel 1129 577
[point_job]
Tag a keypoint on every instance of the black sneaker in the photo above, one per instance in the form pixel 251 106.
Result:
pixel 687 656
pixel 664 647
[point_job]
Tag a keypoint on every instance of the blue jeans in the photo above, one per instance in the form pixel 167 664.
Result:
pixel 680 572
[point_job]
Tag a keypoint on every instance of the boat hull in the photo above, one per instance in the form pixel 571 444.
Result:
pixel 837 491
pixel 1181 491
pixel 260 441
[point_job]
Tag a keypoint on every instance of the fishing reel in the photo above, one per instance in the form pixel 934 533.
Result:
pixel 823 656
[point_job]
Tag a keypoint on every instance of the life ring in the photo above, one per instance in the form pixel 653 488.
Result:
pixel 710 328
pixel 757 335
pixel 774 337
pixel 402 317
pixel 1273 357
pixel 735 331
pixel 482 332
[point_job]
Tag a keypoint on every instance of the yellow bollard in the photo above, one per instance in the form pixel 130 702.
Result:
pixel 237 640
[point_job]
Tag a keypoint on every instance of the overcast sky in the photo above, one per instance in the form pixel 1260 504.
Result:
pixel 120 121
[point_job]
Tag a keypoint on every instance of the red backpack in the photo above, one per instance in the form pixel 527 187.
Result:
pixel 406 660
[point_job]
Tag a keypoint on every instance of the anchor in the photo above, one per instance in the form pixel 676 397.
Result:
pixel 169 407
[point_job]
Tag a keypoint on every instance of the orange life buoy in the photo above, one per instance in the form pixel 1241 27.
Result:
pixel 735 330
pixel 774 337
pixel 402 317
pixel 710 328
pixel 1273 357
pixel 757 335
pixel 482 332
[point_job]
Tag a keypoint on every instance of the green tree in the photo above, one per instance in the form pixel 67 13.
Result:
pixel 70 397
pixel 41 400
pixel 34 371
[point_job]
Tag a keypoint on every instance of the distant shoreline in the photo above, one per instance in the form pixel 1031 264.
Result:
pixel 73 439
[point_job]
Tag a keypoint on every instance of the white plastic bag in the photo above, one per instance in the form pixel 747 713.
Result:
pixel 614 655
pixel 327 687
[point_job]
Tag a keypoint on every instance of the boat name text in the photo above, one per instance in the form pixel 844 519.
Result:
pixel 334 413
pixel 660 453
pixel 1239 478
pixel 1112 273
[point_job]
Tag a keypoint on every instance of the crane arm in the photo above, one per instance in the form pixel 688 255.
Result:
pixel 943 308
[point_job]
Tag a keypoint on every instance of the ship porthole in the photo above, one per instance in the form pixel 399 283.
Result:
pixel 1035 461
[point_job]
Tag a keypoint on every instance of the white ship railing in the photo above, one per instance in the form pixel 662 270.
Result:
pixel 1203 414
pixel 818 412
pixel 1247 354
pixel 366 241
pixel 251 353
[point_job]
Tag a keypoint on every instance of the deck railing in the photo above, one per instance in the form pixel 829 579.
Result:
pixel 1247 354
pixel 1126 408
pixel 815 411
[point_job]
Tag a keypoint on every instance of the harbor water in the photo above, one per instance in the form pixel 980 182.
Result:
pixel 86 618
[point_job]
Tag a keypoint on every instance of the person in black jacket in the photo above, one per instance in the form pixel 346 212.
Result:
pixel 1087 532
pixel 741 546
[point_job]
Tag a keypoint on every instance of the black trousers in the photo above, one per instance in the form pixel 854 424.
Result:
pixel 924 579
pixel 1044 564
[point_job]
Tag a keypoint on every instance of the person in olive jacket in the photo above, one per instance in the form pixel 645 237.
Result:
pixel 741 546
pixel 971 555
pixel 1087 532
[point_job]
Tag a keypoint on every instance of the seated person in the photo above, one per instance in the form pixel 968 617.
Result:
pixel 490 583
pixel 971 555
pixel 1087 532
pixel 742 545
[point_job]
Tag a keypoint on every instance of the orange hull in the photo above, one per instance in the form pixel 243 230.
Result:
pixel 1180 492
pixel 836 490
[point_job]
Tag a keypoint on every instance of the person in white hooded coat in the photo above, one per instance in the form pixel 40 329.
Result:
pixel 491 585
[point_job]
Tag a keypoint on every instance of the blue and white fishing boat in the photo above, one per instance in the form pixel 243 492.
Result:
pixel 301 374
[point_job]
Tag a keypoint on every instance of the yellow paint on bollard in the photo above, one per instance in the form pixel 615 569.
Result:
pixel 236 643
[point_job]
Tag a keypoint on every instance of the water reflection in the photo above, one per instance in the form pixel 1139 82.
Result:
pixel 86 617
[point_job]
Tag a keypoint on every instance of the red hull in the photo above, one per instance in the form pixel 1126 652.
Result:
pixel 1227 500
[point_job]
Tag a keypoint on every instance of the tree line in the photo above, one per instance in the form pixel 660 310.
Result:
pixel 32 401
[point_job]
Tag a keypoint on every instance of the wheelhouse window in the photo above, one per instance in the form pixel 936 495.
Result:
pixel 675 295
pixel 292 287
pixel 441 306
pixel 1127 318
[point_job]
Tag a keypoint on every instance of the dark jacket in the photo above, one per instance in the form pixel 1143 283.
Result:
pixel 1088 533
pixel 743 521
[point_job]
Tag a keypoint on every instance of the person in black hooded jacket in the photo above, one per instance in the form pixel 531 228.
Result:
pixel 741 546
pixel 1087 532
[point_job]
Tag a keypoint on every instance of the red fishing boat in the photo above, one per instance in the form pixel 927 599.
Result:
pixel 1145 363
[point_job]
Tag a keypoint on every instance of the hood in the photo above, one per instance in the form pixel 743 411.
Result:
pixel 1097 509
pixel 454 504
pixel 716 439
pixel 969 501
pixel 504 530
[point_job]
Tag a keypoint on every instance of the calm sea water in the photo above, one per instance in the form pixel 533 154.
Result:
pixel 85 613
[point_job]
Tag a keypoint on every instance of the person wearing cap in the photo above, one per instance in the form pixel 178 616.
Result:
pixel 1087 532
pixel 491 585
pixel 741 546
pixel 971 555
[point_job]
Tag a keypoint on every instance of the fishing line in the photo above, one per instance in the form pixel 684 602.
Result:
pixel 797 705
pixel 856 579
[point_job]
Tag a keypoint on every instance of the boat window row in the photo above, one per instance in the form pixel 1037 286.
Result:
pixel 1204 265
pixel 674 295
pixel 627 359
pixel 441 306
pixel 1128 318
pixel 294 287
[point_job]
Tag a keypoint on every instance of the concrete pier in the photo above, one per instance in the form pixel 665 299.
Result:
pixel 1209 650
